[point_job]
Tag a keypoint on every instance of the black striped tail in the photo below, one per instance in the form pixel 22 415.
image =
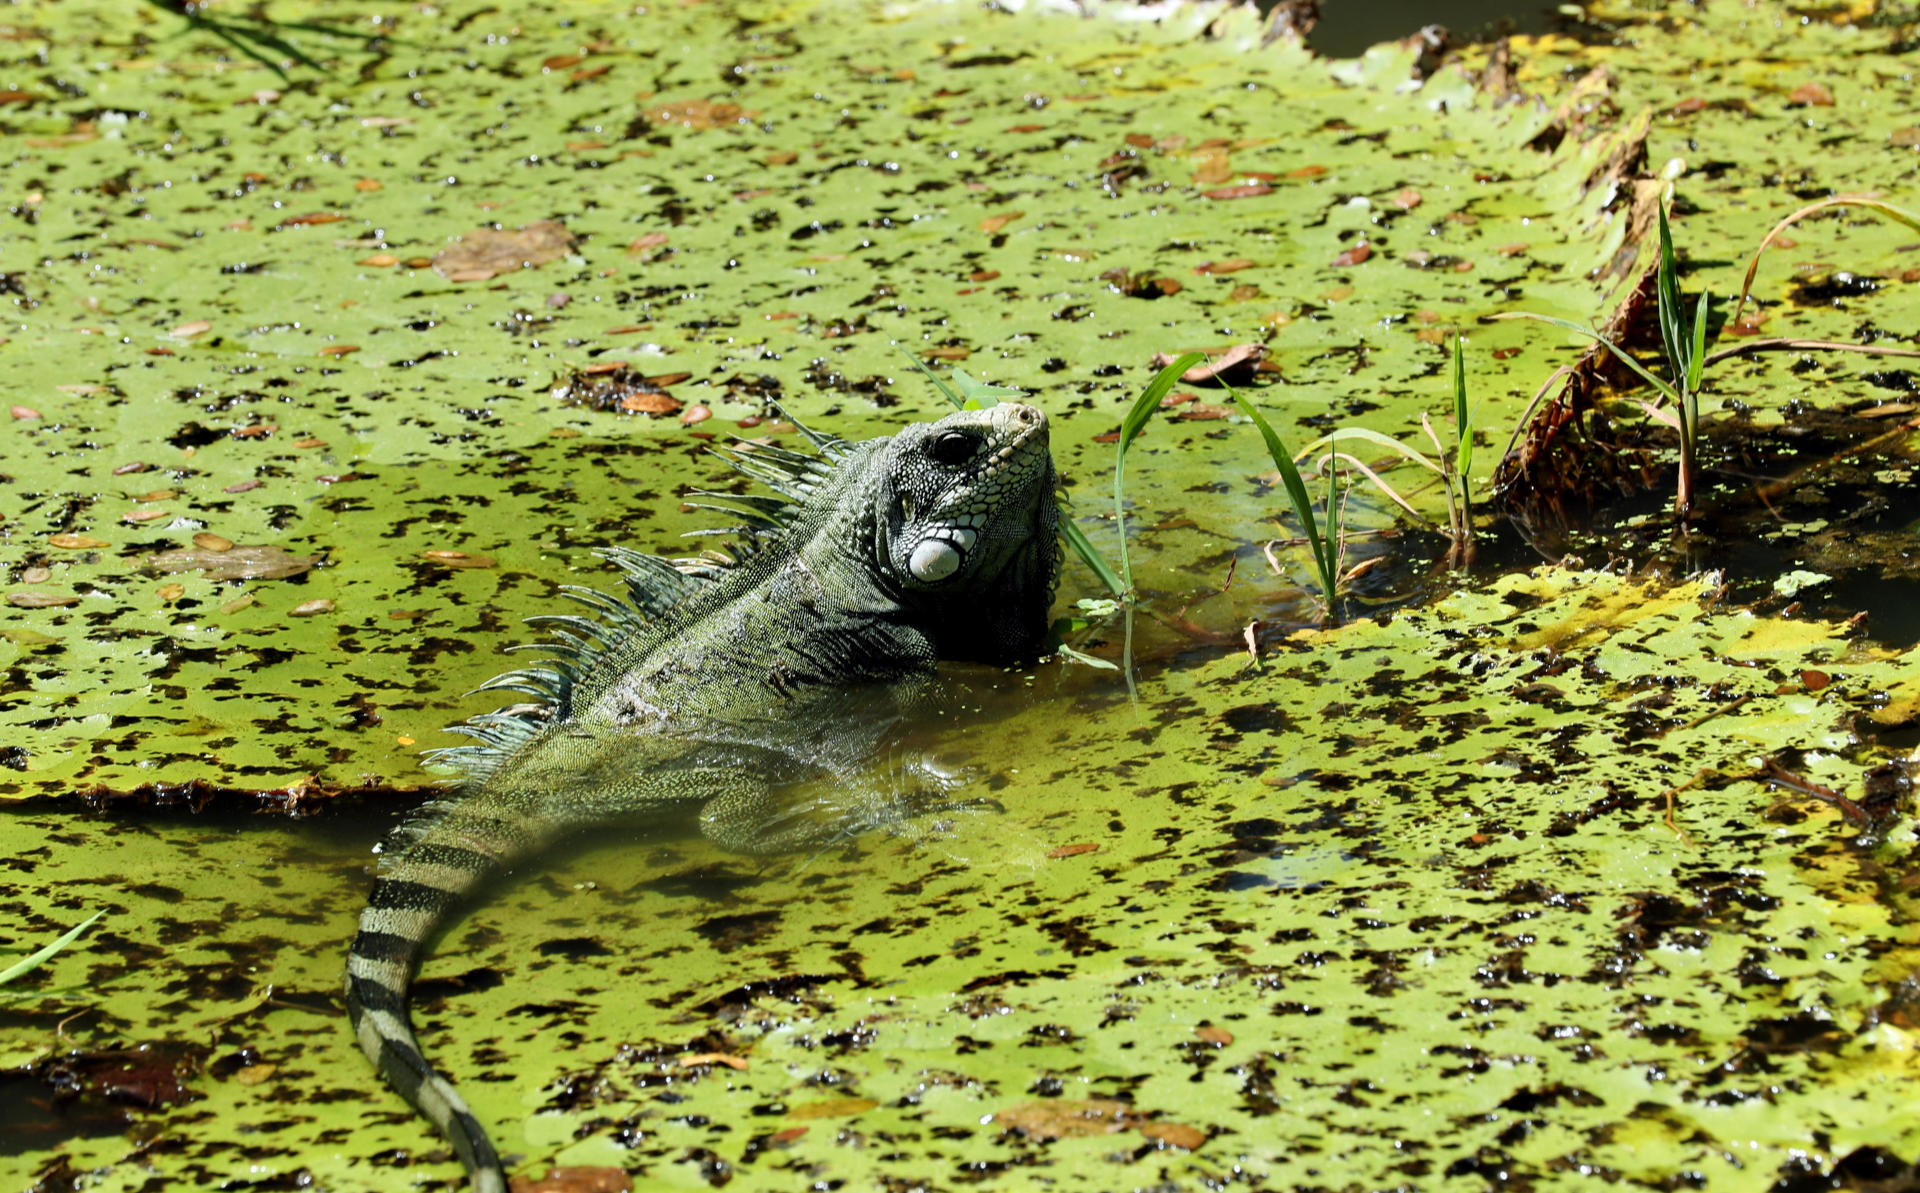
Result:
pixel 410 902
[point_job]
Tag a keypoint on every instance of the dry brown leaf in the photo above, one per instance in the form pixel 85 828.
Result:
pixel 74 542
pixel 206 540
pixel 1174 1135
pixel 831 1108
pixel 1073 850
pixel 699 114
pixel 1064 1118
pixel 713 1058
pixel 996 223
pixel 266 562
pixel 312 217
pixel 484 252
pixel 1236 362
pixel 40 600
pixel 312 608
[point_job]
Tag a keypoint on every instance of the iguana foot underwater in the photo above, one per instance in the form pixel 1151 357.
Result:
pixel 719 682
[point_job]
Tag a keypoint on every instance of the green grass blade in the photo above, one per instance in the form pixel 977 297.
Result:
pixel 1604 342
pixel 1323 561
pixel 28 964
pixel 1077 539
pixel 1671 312
pixel 1371 436
pixel 1142 409
pixel 1462 417
pixel 959 403
pixel 979 395
pixel 1697 362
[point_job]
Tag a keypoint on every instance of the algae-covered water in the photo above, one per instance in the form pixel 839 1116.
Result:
pixel 1588 866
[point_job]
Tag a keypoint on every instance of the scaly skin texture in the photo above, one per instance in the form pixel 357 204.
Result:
pixel 725 683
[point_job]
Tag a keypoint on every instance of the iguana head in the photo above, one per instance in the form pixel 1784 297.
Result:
pixel 966 530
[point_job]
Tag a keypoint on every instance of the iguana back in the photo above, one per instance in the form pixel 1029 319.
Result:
pixel 717 681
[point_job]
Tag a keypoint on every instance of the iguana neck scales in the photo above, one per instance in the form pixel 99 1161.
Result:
pixel 718 681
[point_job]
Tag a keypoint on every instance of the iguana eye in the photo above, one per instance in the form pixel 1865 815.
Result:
pixel 954 448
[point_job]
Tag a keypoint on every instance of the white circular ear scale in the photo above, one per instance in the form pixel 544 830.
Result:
pixel 934 559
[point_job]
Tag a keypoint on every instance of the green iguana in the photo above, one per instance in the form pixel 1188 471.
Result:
pixel 721 682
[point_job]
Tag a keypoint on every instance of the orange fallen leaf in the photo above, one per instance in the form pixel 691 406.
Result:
pixel 1074 850
pixel 1174 1135
pixel 380 260
pixel 1218 268
pixel 995 223
pixel 1406 200
pixel 695 414
pixel 650 403
pixel 206 540
pixel 1247 190
pixel 1353 255
pixel 457 559
pixel 575 1179
pixel 138 516
pixel 368 184
pixel 1811 95
pixel 339 349
pixel 74 542
pixel 313 217
pixel 23 413
pixel 713 1058
pixel 1219 1037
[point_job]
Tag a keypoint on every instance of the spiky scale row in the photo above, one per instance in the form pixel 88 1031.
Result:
pixel 653 585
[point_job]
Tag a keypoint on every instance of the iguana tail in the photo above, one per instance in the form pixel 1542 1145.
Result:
pixel 415 893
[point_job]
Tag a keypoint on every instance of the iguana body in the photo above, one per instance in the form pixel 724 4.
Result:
pixel 718 683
